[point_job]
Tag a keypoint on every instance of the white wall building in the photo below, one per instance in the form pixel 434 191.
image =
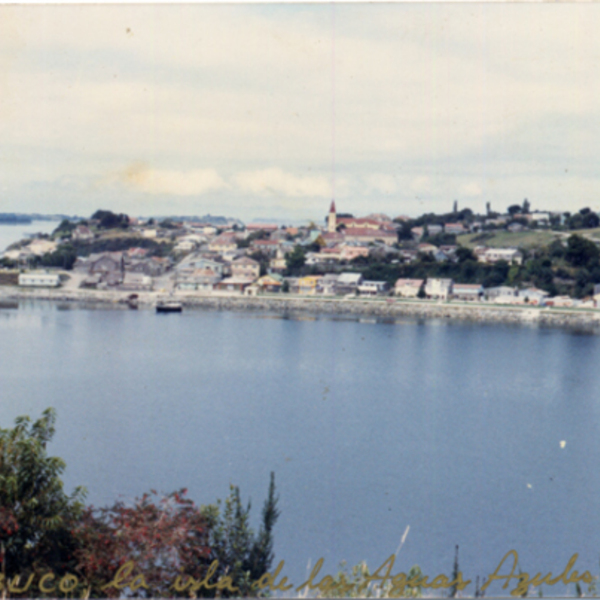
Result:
pixel 39 279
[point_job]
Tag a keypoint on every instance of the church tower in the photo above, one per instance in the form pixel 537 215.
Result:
pixel 332 218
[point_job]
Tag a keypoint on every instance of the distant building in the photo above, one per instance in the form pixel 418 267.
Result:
pixel 427 248
pixel 417 232
pixel 308 285
pixel 82 233
pixel 245 267
pixel 373 288
pixel 501 291
pixel 185 246
pixel 278 263
pixel 492 255
pixel 39 279
pixel 364 223
pixel 434 229
pixel 467 291
pixel 204 279
pixel 370 234
pixel 136 282
pixel 327 284
pixel 267 246
pixel 454 228
pixel 234 284
pixel 438 288
pixel 366 229
pixel 266 227
pixel 226 242
pixel 351 252
pixel 561 302
pixel 270 283
pixel 348 283
pixel 332 218
pixel 408 288
pixel 533 296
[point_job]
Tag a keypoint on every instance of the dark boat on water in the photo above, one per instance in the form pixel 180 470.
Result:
pixel 132 301
pixel 168 307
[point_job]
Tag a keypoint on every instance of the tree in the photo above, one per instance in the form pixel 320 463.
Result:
pixel 35 513
pixel 63 257
pixel 584 219
pixel 463 254
pixel 64 230
pixel 295 259
pixel 109 220
pixel 242 554
pixel 160 546
pixel 168 224
pixel 404 231
pixel 162 536
pixel 514 209
pixel 581 252
pixel 455 572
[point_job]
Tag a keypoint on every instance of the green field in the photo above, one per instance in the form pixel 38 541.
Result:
pixel 506 239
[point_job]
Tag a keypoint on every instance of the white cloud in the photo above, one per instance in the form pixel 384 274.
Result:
pixel 470 189
pixel 274 182
pixel 422 185
pixel 451 99
pixel 380 182
pixel 174 183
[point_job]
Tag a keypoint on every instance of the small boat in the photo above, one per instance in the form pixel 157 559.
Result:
pixel 168 306
pixel 132 301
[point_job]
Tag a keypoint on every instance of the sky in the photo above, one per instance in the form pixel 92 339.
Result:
pixel 271 110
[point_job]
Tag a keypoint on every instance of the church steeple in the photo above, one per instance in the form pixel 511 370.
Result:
pixel 332 218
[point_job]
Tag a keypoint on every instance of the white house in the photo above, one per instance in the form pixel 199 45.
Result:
pixel 408 288
pixel 372 288
pixel 36 279
pixel 492 255
pixel 438 288
pixel 467 291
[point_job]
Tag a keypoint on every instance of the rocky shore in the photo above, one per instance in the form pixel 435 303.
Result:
pixel 587 320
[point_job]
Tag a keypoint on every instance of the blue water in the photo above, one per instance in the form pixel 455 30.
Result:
pixel 451 429
pixel 9 234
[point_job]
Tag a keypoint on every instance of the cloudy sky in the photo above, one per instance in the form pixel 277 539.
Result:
pixel 272 110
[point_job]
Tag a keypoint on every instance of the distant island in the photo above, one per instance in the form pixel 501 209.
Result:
pixel 14 219
pixel 28 218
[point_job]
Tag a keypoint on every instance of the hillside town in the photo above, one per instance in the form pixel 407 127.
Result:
pixel 520 257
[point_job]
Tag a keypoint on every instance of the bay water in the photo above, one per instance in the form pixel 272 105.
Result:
pixel 9 234
pixel 483 436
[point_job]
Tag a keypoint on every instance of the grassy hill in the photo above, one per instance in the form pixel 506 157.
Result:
pixel 506 239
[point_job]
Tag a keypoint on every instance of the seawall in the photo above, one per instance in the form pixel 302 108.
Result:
pixel 588 320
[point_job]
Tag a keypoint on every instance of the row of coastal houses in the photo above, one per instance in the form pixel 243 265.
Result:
pixel 130 270
pixel 447 289
pixel 210 271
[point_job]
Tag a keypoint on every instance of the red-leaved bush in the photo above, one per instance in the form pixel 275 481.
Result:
pixel 163 536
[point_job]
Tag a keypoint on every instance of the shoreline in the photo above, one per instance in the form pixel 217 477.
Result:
pixel 584 319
